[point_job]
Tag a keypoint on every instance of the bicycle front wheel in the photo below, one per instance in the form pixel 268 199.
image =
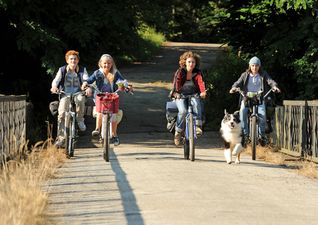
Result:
pixel 72 137
pixel 191 136
pixel 186 149
pixel 253 136
pixel 106 141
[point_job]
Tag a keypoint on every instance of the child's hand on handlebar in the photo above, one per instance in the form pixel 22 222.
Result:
pixel 276 89
pixel 54 89
pixel 84 86
pixel 233 90
pixel 203 94
pixel 87 89
pixel 176 95
pixel 129 88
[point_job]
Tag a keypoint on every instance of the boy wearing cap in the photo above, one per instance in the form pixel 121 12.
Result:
pixel 254 80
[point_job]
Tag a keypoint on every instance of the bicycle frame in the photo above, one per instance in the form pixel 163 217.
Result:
pixel 253 101
pixel 70 126
pixel 70 134
pixel 106 116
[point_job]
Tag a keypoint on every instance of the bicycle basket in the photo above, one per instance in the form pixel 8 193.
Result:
pixel 107 102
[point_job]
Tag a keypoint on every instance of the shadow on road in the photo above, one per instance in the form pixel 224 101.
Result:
pixel 132 211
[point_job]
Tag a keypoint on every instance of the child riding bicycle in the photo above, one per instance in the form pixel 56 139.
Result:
pixel 106 78
pixel 254 80
pixel 188 80
pixel 69 78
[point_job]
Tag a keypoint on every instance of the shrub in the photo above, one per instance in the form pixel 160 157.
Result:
pixel 219 80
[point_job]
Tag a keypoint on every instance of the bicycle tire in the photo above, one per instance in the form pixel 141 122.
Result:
pixel 67 136
pixel 186 149
pixel 191 137
pixel 253 136
pixel 72 137
pixel 106 140
pixel 70 142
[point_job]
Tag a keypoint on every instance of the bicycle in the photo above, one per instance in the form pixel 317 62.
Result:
pixel 108 104
pixel 190 129
pixel 253 100
pixel 70 134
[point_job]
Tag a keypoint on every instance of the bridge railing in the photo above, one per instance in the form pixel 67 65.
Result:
pixel 12 126
pixel 296 129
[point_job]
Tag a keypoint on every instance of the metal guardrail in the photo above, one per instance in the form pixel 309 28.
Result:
pixel 296 129
pixel 12 126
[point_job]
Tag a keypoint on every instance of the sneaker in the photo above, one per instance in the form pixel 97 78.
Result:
pixel 59 143
pixel 116 141
pixel 81 126
pixel 263 141
pixel 177 138
pixel 198 131
pixel 95 133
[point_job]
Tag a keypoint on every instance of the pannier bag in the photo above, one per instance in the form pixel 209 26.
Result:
pixel 107 102
pixel 53 106
pixel 171 115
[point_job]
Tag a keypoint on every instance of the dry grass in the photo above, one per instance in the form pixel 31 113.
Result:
pixel 22 201
pixel 161 84
pixel 309 169
pixel 272 155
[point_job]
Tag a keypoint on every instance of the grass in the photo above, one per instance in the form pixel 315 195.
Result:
pixel 150 34
pixel 309 169
pixel 22 201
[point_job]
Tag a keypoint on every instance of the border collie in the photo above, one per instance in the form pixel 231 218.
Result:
pixel 232 135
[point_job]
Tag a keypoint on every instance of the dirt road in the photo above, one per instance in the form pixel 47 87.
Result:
pixel 147 181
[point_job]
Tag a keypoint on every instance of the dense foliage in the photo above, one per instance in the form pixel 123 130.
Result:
pixel 35 35
pixel 282 33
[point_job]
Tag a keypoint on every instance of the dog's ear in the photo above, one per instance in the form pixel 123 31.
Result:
pixel 225 112
pixel 236 115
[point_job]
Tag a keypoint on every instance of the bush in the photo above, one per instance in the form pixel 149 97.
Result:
pixel 219 81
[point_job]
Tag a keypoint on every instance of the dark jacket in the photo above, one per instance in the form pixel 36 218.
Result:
pixel 181 77
pixel 267 81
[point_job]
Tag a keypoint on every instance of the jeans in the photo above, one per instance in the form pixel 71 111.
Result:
pixel 183 109
pixel 261 119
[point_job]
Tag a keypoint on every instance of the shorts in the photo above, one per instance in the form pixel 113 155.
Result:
pixel 115 117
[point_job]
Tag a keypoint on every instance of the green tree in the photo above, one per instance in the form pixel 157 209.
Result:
pixel 282 33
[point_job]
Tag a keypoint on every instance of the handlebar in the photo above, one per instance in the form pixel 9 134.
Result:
pixel 61 92
pixel 196 95
pixel 246 94
pixel 127 89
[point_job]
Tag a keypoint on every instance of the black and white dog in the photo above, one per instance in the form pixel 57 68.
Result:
pixel 232 135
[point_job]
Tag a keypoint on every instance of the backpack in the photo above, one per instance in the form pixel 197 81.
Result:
pixel 79 75
pixel 170 96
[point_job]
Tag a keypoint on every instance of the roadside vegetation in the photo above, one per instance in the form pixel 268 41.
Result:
pixel 22 198
pixel 272 155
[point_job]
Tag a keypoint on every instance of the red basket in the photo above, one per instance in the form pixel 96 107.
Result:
pixel 107 102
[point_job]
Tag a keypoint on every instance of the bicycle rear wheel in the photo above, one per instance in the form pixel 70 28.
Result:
pixel 253 136
pixel 191 137
pixel 106 141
